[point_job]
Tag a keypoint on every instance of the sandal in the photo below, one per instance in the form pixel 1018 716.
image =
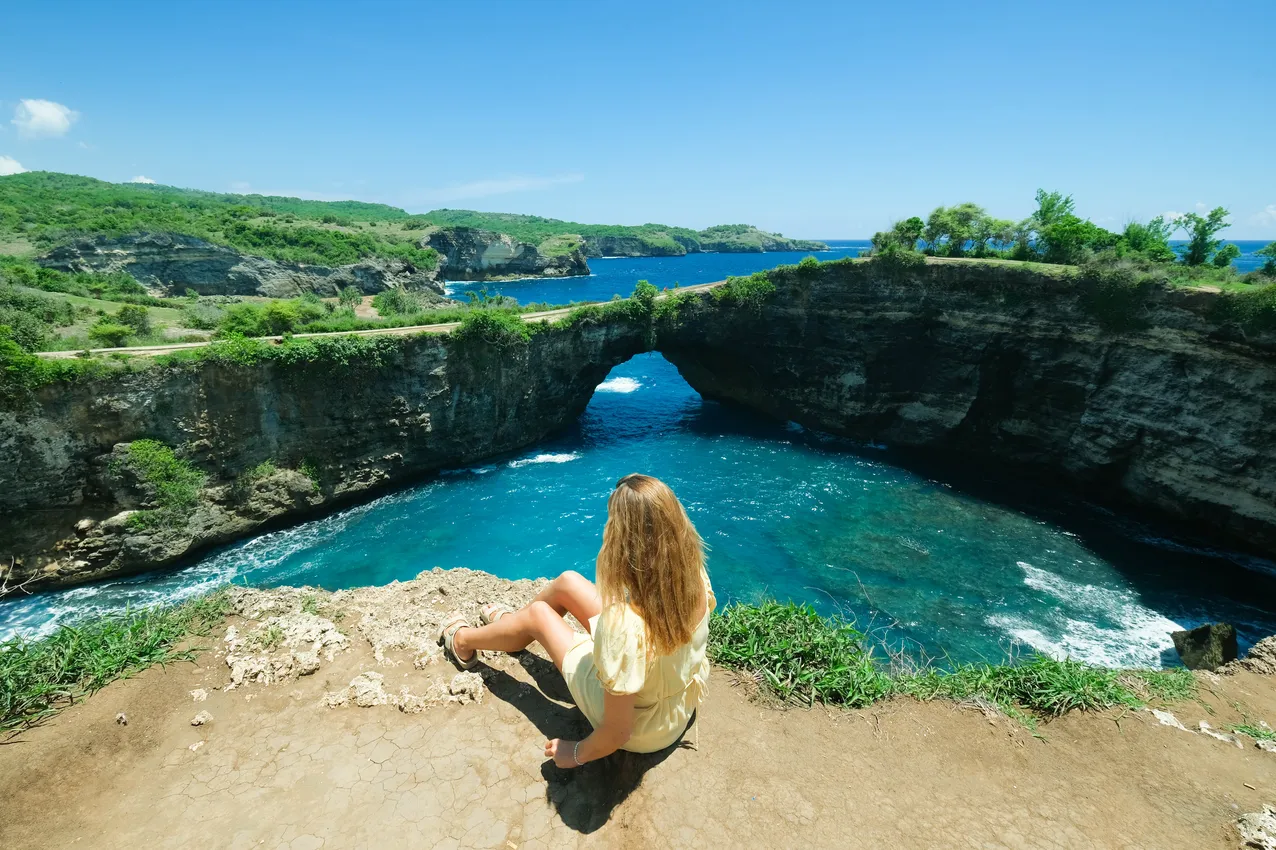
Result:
pixel 493 611
pixel 447 634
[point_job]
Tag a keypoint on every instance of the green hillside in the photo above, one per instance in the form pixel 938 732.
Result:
pixel 39 208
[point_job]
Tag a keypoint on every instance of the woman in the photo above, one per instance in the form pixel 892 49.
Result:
pixel 642 669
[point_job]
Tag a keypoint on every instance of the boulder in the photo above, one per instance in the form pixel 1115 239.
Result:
pixel 1206 647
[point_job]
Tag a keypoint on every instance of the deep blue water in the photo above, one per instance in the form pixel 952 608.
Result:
pixel 937 564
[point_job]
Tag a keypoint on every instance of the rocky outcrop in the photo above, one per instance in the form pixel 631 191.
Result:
pixel 631 246
pixel 467 253
pixel 354 423
pixel 171 263
pixel 1206 647
pixel 1137 397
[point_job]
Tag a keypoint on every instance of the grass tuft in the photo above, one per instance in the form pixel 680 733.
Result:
pixel 38 678
pixel 805 658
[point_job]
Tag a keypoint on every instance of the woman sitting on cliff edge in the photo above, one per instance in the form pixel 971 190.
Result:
pixel 642 669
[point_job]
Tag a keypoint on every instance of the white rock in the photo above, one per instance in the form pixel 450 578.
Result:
pixel 121 719
pixel 1258 829
pixel 1167 719
pixel 201 718
pixel 1206 729
pixel 199 695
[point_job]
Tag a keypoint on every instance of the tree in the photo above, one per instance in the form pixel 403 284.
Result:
pixel 1269 267
pixel 1061 236
pixel 136 317
pixel 1151 240
pixel 350 297
pixel 1200 231
pixel 948 229
pixel 1225 255
pixel 909 232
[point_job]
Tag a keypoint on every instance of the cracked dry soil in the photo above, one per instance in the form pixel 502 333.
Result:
pixel 445 764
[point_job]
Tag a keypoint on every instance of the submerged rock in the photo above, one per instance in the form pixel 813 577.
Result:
pixel 1206 647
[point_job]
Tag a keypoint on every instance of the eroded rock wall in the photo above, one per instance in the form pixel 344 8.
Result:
pixel 171 263
pixel 1162 407
pixel 468 253
pixel 330 431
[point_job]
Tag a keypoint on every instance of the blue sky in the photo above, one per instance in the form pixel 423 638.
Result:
pixel 816 120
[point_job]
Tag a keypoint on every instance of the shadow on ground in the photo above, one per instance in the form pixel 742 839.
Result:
pixel 585 797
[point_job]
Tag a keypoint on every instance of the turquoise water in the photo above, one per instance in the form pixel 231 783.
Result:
pixel 938 564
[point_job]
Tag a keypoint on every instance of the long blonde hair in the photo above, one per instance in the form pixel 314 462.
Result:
pixel 653 559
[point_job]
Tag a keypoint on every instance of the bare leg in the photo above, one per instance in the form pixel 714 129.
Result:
pixel 572 593
pixel 513 632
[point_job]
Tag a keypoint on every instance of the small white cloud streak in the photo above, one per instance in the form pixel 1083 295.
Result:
pixel 9 165
pixel 1265 217
pixel 37 119
pixel 495 186
pixel 141 178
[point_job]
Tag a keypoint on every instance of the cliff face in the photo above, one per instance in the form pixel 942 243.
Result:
pixel 467 253
pixel 630 246
pixel 1140 397
pixel 171 263
pixel 425 403
pixel 1002 366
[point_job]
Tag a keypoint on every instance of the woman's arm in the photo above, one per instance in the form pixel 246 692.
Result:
pixel 618 725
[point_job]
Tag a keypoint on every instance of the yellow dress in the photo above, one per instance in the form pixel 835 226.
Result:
pixel 669 687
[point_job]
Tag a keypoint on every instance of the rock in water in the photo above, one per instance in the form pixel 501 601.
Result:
pixel 1206 647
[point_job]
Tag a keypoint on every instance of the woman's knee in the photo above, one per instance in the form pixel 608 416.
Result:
pixel 570 578
pixel 541 613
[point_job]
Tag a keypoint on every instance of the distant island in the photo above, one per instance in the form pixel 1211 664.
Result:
pixel 552 236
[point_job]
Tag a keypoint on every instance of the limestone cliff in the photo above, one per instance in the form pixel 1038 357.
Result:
pixel 1137 396
pixel 171 263
pixel 468 253
pixel 330 429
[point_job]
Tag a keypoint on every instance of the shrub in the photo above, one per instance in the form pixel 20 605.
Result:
pixel 109 335
pixel 171 483
pixel 1114 294
pixel 136 317
pixel 397 301
pixel 496 328
pixel 808 266
pixel 350 297
pixel 751 291
pixel 204 317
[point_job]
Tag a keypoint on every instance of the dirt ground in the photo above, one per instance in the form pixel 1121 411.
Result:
pixel 287 765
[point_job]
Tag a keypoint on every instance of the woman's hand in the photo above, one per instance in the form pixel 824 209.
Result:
pixel 561 752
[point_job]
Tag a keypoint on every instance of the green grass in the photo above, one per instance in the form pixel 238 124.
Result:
pixel 804 658
pixel 1258 733
pixel 41 677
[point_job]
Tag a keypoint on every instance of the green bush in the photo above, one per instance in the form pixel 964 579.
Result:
pixel 204 317
pixel 350 297
pixel 110 335
pixel 1115 294
pixel 136 317
pixel 496 328
pixel 397 301
pixel 171 483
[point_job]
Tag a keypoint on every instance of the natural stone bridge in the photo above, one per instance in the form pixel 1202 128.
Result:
pixel 1165 407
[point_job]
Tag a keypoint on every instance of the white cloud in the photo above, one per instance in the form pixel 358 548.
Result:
pixel 1171 215
pixel 496 186
pixel 40 118
pixel 1265 217
pixel 9 165
pixel 141 178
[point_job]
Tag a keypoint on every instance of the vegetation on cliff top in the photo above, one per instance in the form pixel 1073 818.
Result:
pixel 804 658
pixel 38 678
pixel 1055 234
pixel 45 208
